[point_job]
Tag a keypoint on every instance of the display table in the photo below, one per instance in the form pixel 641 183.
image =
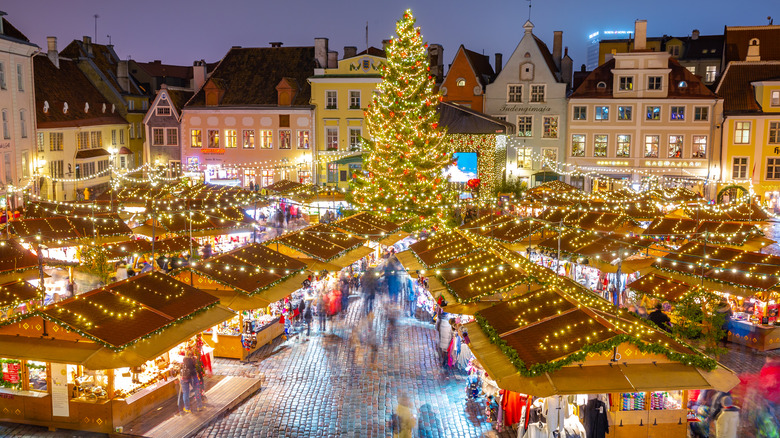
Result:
pixel 230 345
pixel 760 337
pixel 671 423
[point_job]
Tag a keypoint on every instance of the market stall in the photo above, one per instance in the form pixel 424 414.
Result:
pixel 17 262
pixel 253 280
pixel 18 298
pixel 437 249
pixel 324 243
pixel 515 233
pixel 559 341
pixel 98 361
pixel 372 227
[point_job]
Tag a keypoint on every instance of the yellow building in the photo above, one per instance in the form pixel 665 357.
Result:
pixel 751 129
pixel 340 95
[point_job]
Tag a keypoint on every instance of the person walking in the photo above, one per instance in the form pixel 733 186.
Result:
pixel 445 337
pixel 344 297
pixel 322 311
pixel 403 420
pixel 188 378
pixel 307 317
pixel 661 319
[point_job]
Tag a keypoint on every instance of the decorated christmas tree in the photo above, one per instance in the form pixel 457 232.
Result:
pixel 404 160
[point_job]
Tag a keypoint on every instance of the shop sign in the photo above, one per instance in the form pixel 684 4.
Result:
pixel 11 372
pixel 524 109
pixel 60 407
pixel 213 151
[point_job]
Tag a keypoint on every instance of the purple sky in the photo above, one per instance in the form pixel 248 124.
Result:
pixel 180 31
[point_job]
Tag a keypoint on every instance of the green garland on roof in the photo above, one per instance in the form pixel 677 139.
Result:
pixel 695 360
pixel 716 280
pixel 249 293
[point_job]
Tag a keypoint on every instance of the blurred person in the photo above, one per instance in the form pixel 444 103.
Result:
pixel 403 420
pixel 307 317
pixel 727 421
pixel 660 318
pixel 445 337
pixel 322 311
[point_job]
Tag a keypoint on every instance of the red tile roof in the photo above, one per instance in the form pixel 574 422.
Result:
pixel 481 65
pixel 104 58
pixel 735 85
pixel 738 39
pixel 546 54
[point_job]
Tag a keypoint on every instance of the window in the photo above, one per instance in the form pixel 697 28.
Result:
pixel 56 169
pixel 331 100
pixel 514 93
pixel 144 105
pixel 682 84
pixel 710 73
pixel 652 143
pixel 550 157
pixel 774 99
pixel 701 113
pixel 502 118
pixel 601 84
pixel 691 69
pixel 9 179
pixel 653 113
pixel 537 93
pixel 40 141
pixel 19 77
pixel 196 139
pixel 774 132
pixel 675 146
pixel 624 112
pixel 122 136
pixel 524 126
pixel 55 141
pixel 699 146
pixel 333 173
pixel 25 164
pixel 626 83
pixel 600 143
pixel 580 113
pixel 331 138
pixel 6 131
pixel 550 127
pixel 772 168
pixel 741 132
pixel 2 76
pixel 739 168
pixel 678 113
pixel 602 113
pixel 674 50
pixel 123 161
pixel 524 158
pixel 82 140
pixel 303 139
pixel 355 139
pixel 265 137
pixel 96 139
pixel 231 138
pixel 578 145
pixel 172 137
pixel 113 137
pixel 131 104
pixel 285 139
pixel 163 111
pixel 132 130
pixel 266 178
pixel 284 120
pixel 354 100
pixel 248 139
pixel 460 82
pixel 158 136
pixel 654 82
pixel 213 138
pixel 623 146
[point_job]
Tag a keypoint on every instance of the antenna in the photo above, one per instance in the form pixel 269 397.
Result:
pixel 770 20
pixel 529 10
pixel 96 19
pixel 366 37
pixel 109 39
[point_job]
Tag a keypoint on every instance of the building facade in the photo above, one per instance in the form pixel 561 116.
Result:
pixel 642 115
pixel 468 77
pixel 251 122
pixel 78 131
pixel 163 128
pixel 17 106
pixel 339 95
pixel 530 93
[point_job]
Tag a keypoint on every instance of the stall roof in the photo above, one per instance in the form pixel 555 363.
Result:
pixel 122 313
pixel 17 292
pixel 659 286
pixel 39 210
pixel 284 187
pixel 143 246
pixel 322 242
pixel 602 222
pixel 675 195
pixel 441 247
pixel 14 258
pixel 666 226
pixel 504 228
pixel 734 213
pixel 62 228
pixel 209 219
pixel 731 233
pixel 367 225
pixel 479 274
pixel 553 187
pixel 570 241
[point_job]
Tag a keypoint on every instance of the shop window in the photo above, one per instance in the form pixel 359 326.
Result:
pixel 623 146
pixel 36 375
pixel 699 146
pixel 675 146
pixel 578 145
pixel 600 143
pixel 11 374
pixel 652 143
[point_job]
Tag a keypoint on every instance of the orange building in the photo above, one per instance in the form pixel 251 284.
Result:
pixel 467 78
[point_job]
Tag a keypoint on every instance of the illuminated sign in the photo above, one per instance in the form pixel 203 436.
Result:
pixel 593 35
pixel 213 151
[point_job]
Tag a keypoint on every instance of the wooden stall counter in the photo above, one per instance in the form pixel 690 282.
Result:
pixel 758 336
pixel 670 423
pixel 230 346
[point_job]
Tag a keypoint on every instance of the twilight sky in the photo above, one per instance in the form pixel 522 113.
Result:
pixel 180 31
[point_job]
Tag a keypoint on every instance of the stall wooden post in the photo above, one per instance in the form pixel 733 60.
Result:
pixel 110 385
pixel 22 371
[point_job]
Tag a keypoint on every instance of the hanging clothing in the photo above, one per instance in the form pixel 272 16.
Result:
pixel 513 403
pixel 536 430
pixel 596 420
pixel 555 410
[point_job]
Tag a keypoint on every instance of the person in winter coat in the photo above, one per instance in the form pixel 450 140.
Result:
pixel 445 336
pixel 307 317
pixel 727 421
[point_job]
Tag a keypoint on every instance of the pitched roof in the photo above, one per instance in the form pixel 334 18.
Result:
pixel 695 88
pixel 546 54
pixel 735 86
pixel 68 84
pixel 481 65
pixel 738 39
pixel 105 59
pixel 373 51
pixel 249 76
pixel 703 47
pixel 11 32
pixel 179 98
pixel 461 120
pixel 158 69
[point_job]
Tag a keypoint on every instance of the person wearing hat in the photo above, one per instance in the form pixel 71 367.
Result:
pixel 727 421
pixel 660 318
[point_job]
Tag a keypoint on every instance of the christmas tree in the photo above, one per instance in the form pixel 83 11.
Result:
pixel 404 160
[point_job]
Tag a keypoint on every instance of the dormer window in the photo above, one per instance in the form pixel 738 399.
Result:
pixel 626 83
pixel 65 108
pixel 460 82
pixel 774 99
pixel 45 106
pixel 654 82
pixel 682 84
pixel 601 84
pixel 163 111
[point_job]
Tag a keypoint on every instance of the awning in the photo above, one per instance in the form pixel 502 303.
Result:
pixel 352 256
pixel 409 261
pixel 394 238
pixel 91 153
pixel 283 289
pixel 353 159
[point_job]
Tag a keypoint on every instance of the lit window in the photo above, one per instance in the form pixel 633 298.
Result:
pixel 265 138
pixel 248 138
pixel 653 113
pixel 652 143
pixel 524 158
pixel 578 145
pixel 699 146
pixel 675 146
pixel 624 112
pixel 524 126
pixel 460 82
pixel 682 84
pixel 333 172
pixel 600 143
pixel 711 73
pixel 623 146
pixel 213 138
pixel 678 113
pixel 303 139
pixel 195 136
pixel 774 99
pixel 602 113
pixel 231 138
pixel 285 139
pixel 550 127
pixel 741 132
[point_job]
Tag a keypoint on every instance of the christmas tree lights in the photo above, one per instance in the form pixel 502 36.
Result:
pixel 406 155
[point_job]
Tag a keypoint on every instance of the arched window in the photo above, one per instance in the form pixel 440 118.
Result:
pixel 460 82
pixel 601 84
pixel 682 84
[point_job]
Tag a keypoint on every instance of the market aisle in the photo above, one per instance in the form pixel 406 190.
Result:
pixel 322 387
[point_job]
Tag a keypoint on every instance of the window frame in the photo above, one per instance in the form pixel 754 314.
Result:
pixel 737 130
pixel 774 98
pixel 548 130
pixel 680 141
pixel 597 143
pixel 212 139
pixel 264 139
pixel 580 113
pixel 3 85
pixel 509 93
pixel 20 77
pixel 695 144
pixel 171 134
pixel 657 145
pixel 740 168
pixel 358 146
pixel 701 114
pixel 621 110
pixel 158 136
pixel 773 132
pixel 713 76
pixel 333 172
pixel 281 139
pixel 231 138
pixel 625 83
pixel 655 87
pixel 248 134
pixel 648 108
pixel 331 138
pixel 199 138
pixel 303 135
pixel 533 96
pixel 775 166
pixel 677 113
pixel 351 99
pixel 335 97
pixel 161 111
pixel 23 123
pixel 527 133
pixel 578 139
pixel 603 108
pixel 525 155
pixel 618 144
pixel 6 127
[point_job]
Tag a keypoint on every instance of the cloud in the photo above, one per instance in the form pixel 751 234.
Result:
pixel 457 175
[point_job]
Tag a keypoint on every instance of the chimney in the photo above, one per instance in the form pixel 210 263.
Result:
pixel 122 77
pixel 54 56
pixel 198 74
pixel 2 28
pixel 333 59
pixel 583 68
pixel 350 51
pixel 276 44
pixel 499 63
pixel 695 34
pixel 321 52
pixel 754 52
pixel 640 35
pixel 436 61
pixel 385 43
pixel 567 67
pixel 557 45
pixel 87 44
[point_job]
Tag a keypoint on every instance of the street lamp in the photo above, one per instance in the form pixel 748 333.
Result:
pixel 112 151
pixel 39 164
